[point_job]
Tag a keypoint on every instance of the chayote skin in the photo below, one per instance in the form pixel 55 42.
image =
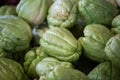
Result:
pixel 116 24
pixel 15 34
pixel 11 70
pixel 97 11
pixel 32 57
pixel 62 13
pixel 112 50
pixel 104 71
pixel 60 43
pixel 33 11
pixel 94 41
pixel 8 10
pixel 64 73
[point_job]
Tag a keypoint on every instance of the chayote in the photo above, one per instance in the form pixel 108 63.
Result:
pixel 94 41
pixel 60 43
pixel 33 11
pixel 11 70
pixel 8 10
pixel 15 34
pixel 63 73
pixel 97 11
pixel 62 13
pixel 104 71
pixel 32 57
pixel 53 69
pixel 112 50
pixel 47 64
pixel 116 24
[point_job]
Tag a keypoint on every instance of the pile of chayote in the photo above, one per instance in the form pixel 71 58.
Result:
pixel 60 40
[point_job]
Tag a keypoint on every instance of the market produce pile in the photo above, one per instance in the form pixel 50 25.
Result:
pixel 60 40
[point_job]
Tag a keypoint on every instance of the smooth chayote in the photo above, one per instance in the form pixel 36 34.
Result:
pixel 8 10
pixel 32 57
pixel 64 73
pixel 15 34
pixel 60 43
pixel 116 24
pixel 33 11
pixel 62 13
pixel 104 71
pixel 112 50
pixel 11 70
pixel 97 11
pixel 94 41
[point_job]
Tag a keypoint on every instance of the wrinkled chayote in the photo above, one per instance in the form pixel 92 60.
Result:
pixel 104 71
pixel 64 73
pixel 33 11
pixel 94 41
pixel 60 43
pixel 32 57
pixel 11 70
pixel 62 13
pixel 97 11
pixel 8 10
pixel 15 34
pixel 52 69
pixel 116 24
pixel 112 50
pixel 47 64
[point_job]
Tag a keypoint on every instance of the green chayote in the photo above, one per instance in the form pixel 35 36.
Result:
pixel 94 41
pixel 47 64
pixel 11 70
pixel 62 13
pixel 116 24
pixel 104 71
pixel 32 57
pixel 15 34
pixel 52 69
pixel 112 50
pixel 60 43
pixel 8 10
pixel 97 11
pixel 64 73
pixel 33 11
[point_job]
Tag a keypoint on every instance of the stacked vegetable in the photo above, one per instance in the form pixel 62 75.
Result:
pixel 60 40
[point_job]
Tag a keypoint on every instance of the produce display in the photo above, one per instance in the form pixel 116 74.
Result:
pixel 60 40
